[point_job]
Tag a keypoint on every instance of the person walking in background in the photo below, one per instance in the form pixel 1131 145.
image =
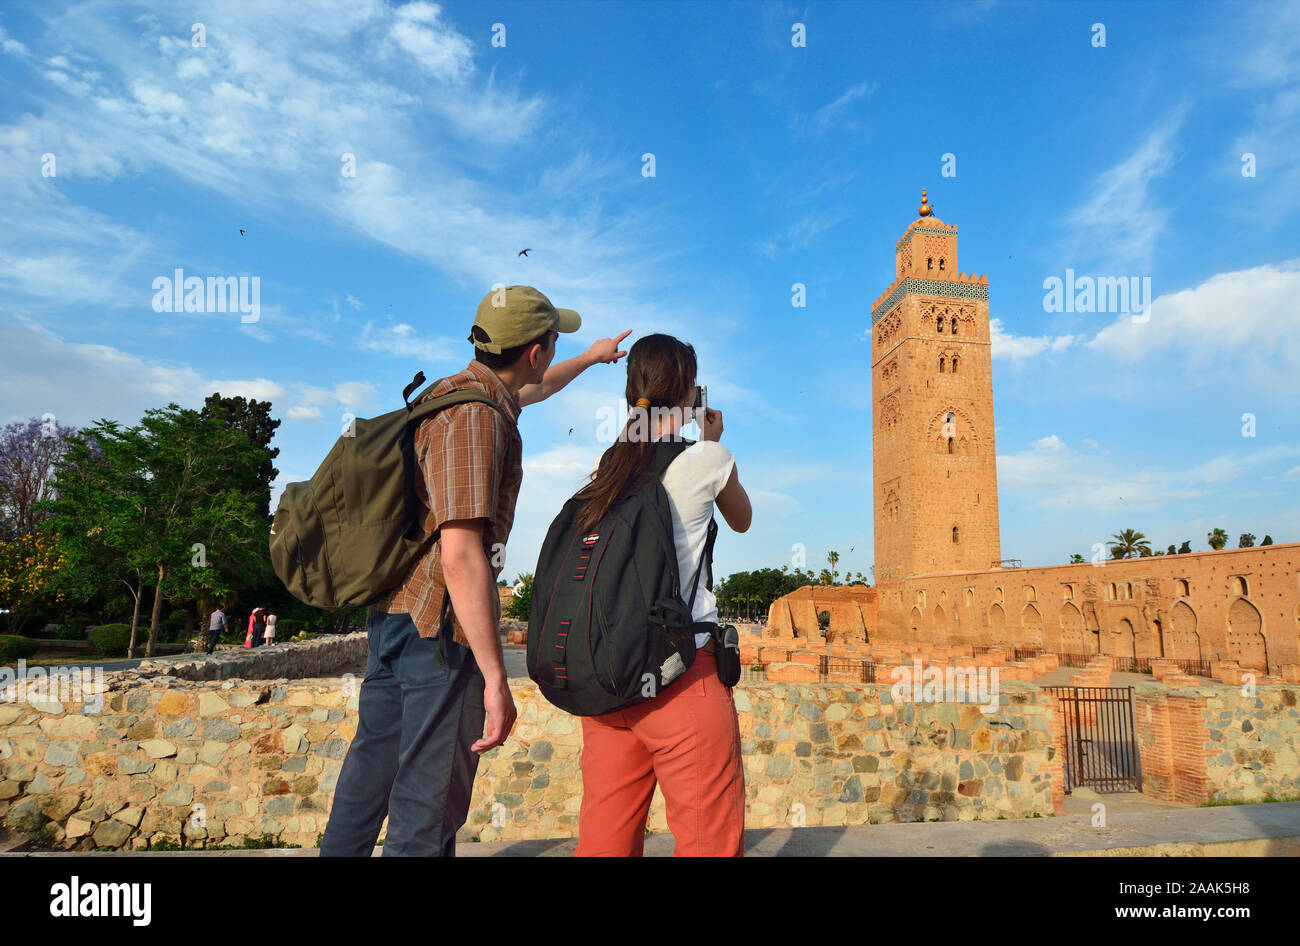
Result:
pixel 269 637
pixel 687 739
pixel 252 622
pixel 435 675
pixel 259 626
pixel 216 627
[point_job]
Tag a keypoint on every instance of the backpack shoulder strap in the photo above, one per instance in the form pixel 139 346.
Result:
pixel 665 452
pixel 418 410
pixel 425 409
pixel 705 559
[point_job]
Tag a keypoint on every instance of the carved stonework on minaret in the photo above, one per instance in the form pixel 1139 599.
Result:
pixel 933 386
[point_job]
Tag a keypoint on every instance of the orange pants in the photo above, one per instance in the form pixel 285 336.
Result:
pixel 688 740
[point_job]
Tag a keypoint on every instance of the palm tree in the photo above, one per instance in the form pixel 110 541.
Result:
pixel 1217 539
pixel 1125 544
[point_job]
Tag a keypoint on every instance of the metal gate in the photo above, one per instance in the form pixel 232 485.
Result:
pixel 1100 742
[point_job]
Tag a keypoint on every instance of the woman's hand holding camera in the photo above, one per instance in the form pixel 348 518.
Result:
pixel 710 421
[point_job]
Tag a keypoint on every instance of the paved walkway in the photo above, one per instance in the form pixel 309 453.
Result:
pixel 1237 830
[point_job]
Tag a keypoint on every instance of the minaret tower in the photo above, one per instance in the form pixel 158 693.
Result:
pixel 933 459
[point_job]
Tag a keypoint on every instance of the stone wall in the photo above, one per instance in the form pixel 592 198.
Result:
pixel 220 762
pixel 1218 743
pixel 313 658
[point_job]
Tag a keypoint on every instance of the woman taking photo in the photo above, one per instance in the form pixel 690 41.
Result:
pixel 686 738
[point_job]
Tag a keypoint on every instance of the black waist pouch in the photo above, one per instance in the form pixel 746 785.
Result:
pixel 726 653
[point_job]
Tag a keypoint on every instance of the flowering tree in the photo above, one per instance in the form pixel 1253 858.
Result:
pixel 29 452
pixel 28 564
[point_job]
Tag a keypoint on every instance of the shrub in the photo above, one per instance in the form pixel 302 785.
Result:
pixel 824 620
pixel 16 647
pixel 68 632
pixel 521 601
pixel 286 627
pixel 111 640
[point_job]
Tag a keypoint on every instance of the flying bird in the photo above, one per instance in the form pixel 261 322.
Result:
pixel 570 431
pixel 524 252
pixel 241 232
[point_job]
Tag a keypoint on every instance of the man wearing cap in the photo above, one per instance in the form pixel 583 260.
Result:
pixel 422 707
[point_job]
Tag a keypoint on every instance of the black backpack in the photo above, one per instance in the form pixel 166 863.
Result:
pixel 607 627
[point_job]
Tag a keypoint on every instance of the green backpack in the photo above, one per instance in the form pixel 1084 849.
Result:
pixel 351 533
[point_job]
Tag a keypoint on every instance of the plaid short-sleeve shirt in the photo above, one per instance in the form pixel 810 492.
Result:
pixel 470 461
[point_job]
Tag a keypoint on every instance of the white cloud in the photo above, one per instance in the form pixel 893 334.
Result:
pixel 1236 326
pixel 826 116
pixel 298 412
pixel 11 46
pixel 354 302
pixel 1117 225
pixel 443 52
pixel 260 389
pixel 1015 347
pixel 1050 475
pixel 406 341
pixel 80 383
pixel 1292 474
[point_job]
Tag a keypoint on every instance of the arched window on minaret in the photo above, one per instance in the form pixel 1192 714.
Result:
pixel 938 324
pixel 950 445
pixel 954 325
pixel 941 364
pixel 929 262
pixel 941 262
pixel 954 364
pixel 954 535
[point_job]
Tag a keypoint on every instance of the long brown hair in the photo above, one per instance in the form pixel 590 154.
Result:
pixel 661 369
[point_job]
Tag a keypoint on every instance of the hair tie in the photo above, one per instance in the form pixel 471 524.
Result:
pixel 643 402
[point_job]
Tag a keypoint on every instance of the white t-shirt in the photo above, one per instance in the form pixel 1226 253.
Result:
pixel 692 483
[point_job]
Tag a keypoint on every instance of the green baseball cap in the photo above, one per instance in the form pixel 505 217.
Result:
pixel 513 315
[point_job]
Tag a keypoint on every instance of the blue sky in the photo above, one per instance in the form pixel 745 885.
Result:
pixel 774 164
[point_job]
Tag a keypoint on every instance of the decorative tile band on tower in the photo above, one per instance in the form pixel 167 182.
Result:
pixel 929 287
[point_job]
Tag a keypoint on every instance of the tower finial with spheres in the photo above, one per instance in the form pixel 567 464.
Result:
pixel 925 209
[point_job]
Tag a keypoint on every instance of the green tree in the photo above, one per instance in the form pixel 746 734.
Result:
pixel 521 601
pixel 1125 544
pixel 254 419
pixel 1268 540
pixel 1217 539
pixel 1171 550
pixel 168 501
pixel 1076 559
pixel 1246 541
pixel 1185 548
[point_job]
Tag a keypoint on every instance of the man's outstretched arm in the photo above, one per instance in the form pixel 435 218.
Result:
pixel 603 351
